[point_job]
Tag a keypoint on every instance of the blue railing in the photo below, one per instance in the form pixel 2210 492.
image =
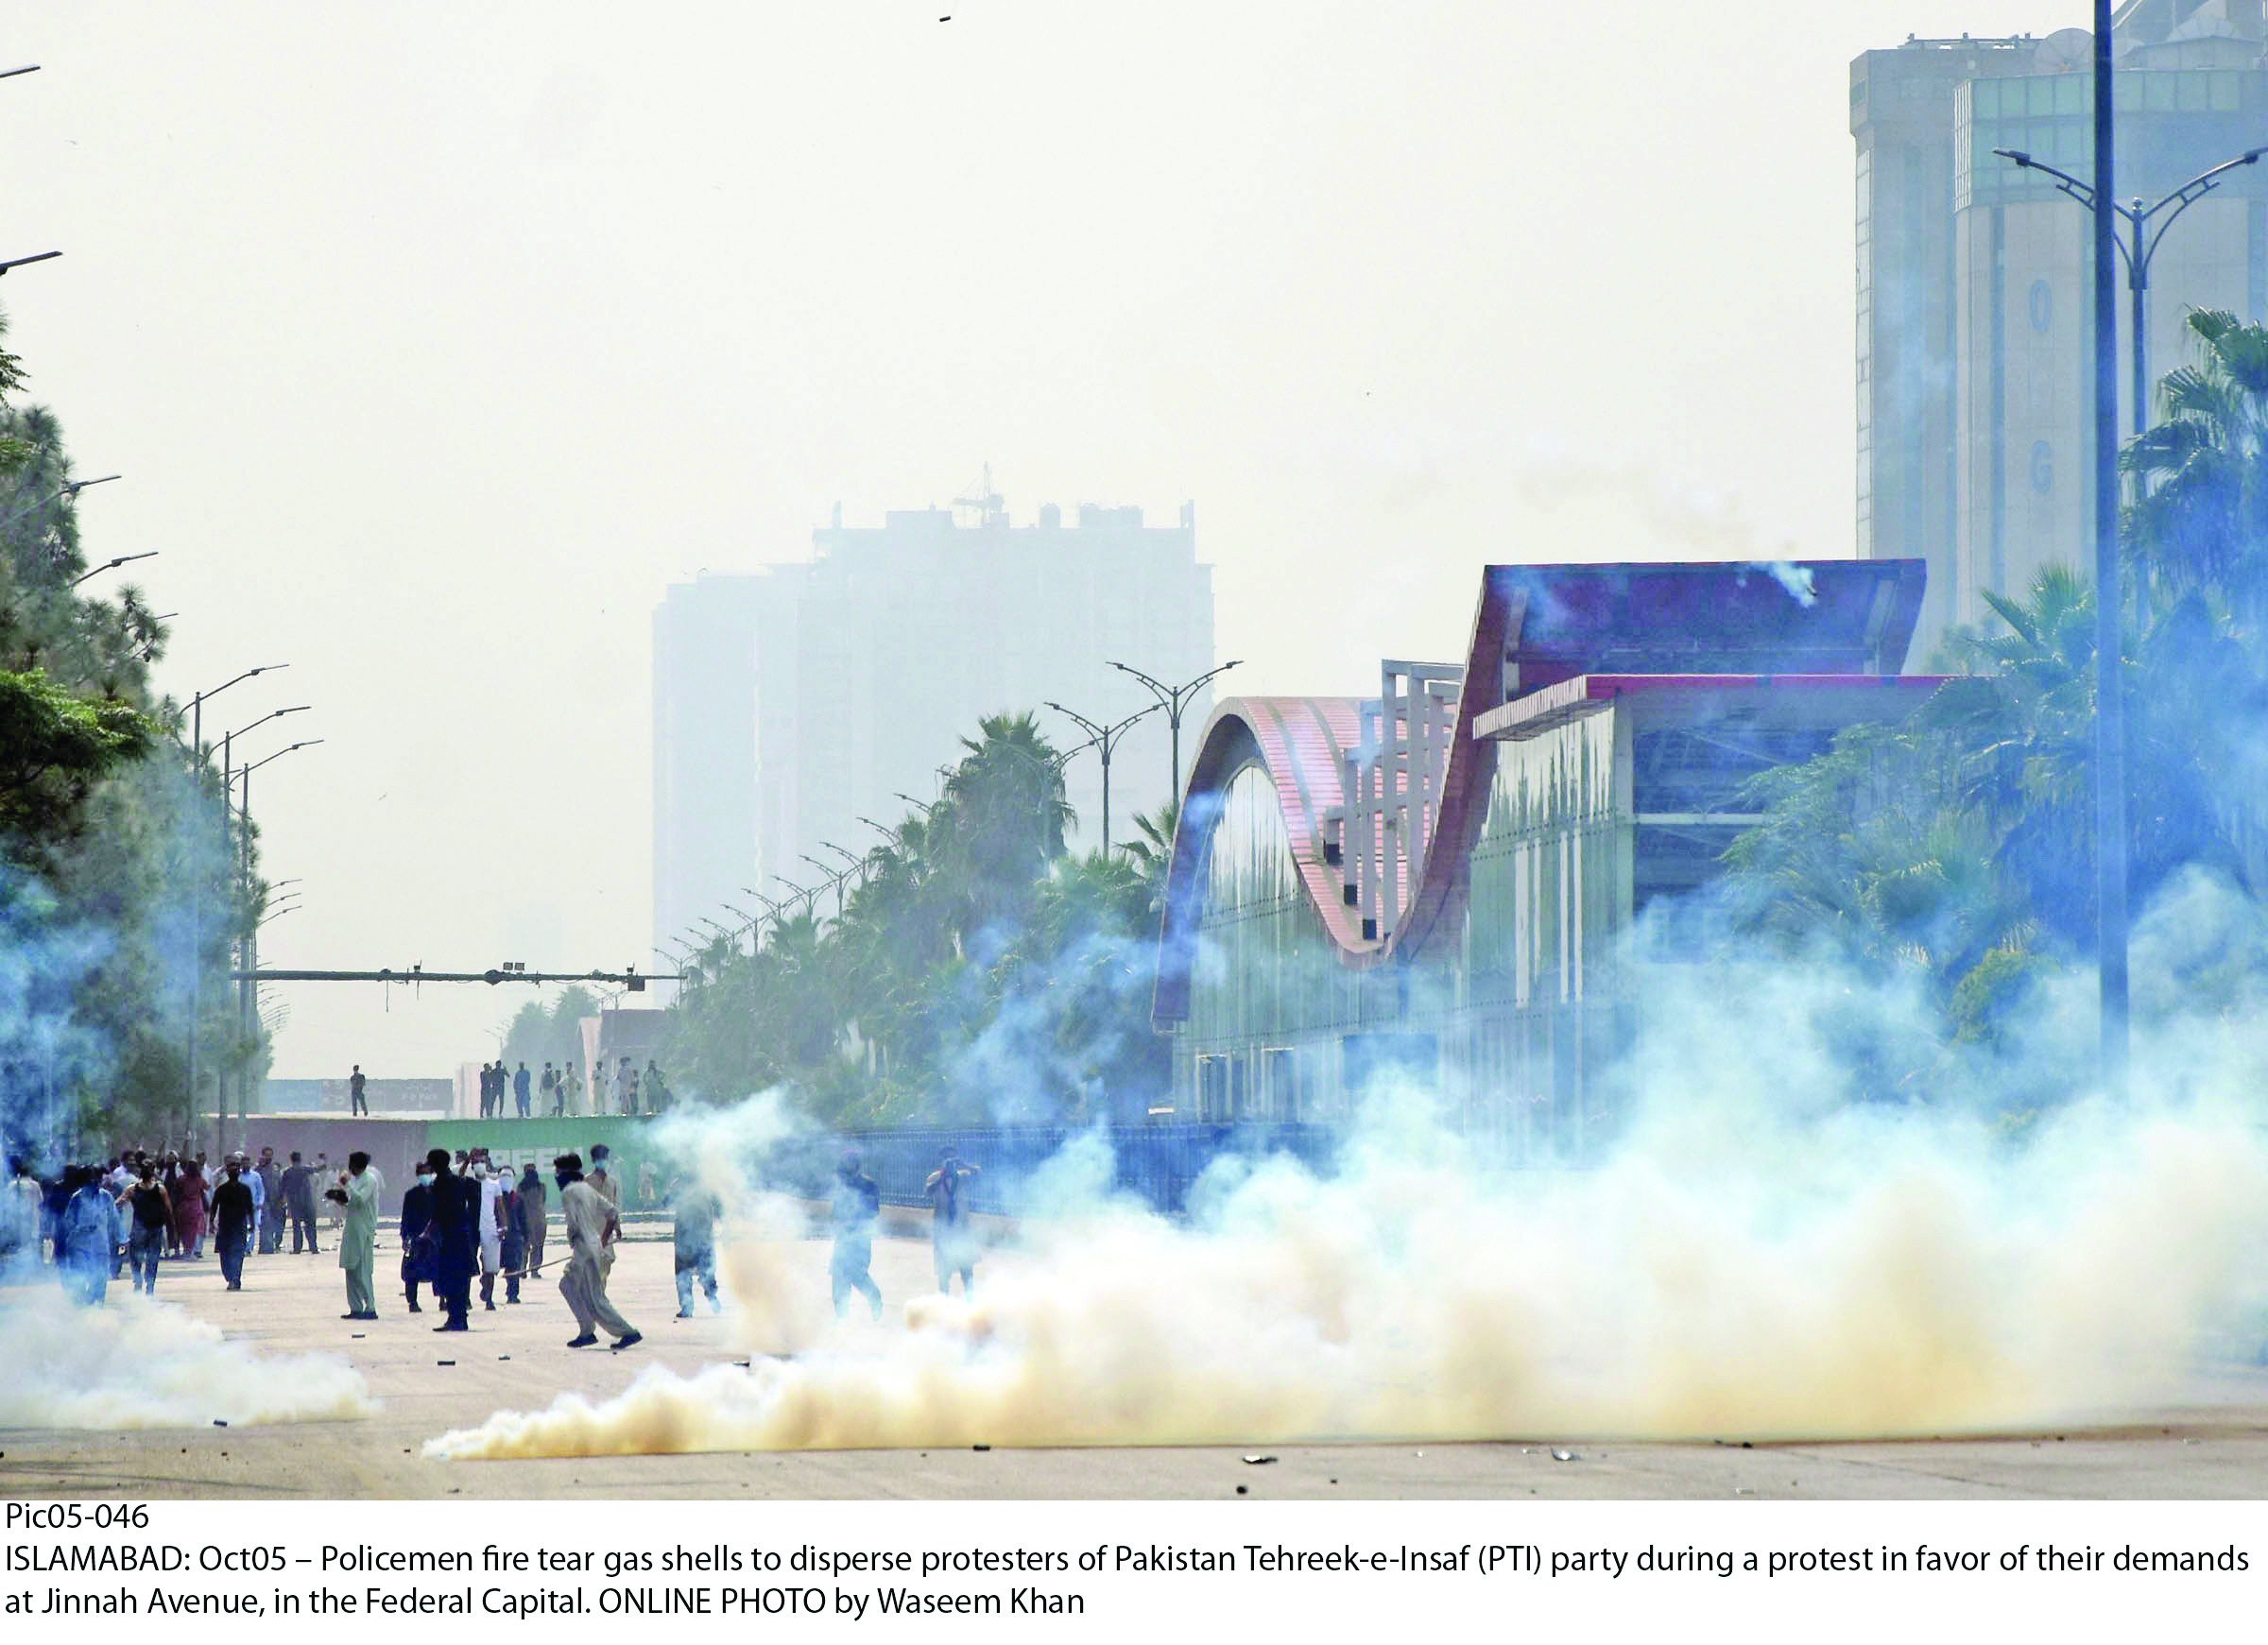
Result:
pixel 1154 1163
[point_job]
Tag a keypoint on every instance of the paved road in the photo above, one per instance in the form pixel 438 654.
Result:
pixel 2216 1447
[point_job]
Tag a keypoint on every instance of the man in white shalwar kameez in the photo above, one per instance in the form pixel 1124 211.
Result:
pixel 591 1224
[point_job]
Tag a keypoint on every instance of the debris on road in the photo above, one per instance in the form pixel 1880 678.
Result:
pixel 1567 1456
pixel 1258 1461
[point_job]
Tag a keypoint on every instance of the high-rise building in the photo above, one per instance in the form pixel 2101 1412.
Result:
pixel 809 696
pixel 1975 274
pixel 704 748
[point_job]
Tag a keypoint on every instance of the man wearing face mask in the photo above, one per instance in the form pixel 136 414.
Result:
pixel 534 1198
pixel 491 1231
pixel 417 1266
pixel 590 1221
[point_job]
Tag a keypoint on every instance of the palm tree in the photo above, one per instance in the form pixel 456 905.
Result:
pixel 2202 522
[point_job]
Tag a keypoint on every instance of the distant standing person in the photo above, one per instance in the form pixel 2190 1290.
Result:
pixel 298 1203
pixel 84 1236
pixel 355 1083
pixel 953 1240
pixel 20 1205
pixel 232 1212
pixel 534 1203
pixel 358 1239
pixel 855 1205
pixel 491 1232
pixel 697 1211
pixel 417 1247
pixel 271 1202
pixel 189 1210
pixel 655 1093
pixel 520 1089
pixel 623 1094
pixel 548 1090
pixel 455 1230
pixel 592 1225
pixel 607 1186
pixel 511 1243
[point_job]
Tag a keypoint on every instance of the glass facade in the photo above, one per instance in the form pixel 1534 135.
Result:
pixel 1518 1008
pixel 2051 118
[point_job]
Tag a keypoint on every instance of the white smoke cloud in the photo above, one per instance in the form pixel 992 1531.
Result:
pixel 1766 1251
pixel 134 1362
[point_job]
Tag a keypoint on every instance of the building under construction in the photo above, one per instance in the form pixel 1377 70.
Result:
pixel 1450 880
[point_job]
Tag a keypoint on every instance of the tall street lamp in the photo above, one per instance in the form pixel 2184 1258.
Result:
pixel 1105 739
pixel 20 261
pixel 2140 247
pixel 809 892
pixel 2110 605
pixel 197 882
pixel 1174 700
pixel 196 703
pixel 831 876
pixel 247 998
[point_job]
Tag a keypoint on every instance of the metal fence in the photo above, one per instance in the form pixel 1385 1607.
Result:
pixel 1156 1164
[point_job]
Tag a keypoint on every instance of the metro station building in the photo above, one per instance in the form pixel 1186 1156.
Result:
pixel 1451 879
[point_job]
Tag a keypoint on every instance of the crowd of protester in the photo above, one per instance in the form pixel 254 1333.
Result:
pixel 468 1221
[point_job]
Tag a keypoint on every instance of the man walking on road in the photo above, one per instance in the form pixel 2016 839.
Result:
pixel 856 1204
pixel 693 1237
pixel 271 1202
pixel 952 1241
pixel 591 1227
pixel 232 1220
pixel 152 1227
pixel 358 1239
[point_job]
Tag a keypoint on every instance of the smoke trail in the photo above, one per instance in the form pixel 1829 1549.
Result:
pixel 1767 1251
pixel 137 1363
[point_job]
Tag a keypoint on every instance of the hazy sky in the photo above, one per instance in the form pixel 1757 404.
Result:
pixel 436 340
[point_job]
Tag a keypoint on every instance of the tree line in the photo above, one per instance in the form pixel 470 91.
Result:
pixel 111 832
pixel 978 971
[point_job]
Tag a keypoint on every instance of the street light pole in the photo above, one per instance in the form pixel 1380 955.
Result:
pixel 2110 603
pixel 2138 249
pixel 809 892
pixel 832 876
pixel 1174 700
pixel 246 1002
pixel 197 880
pixel 1105 738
